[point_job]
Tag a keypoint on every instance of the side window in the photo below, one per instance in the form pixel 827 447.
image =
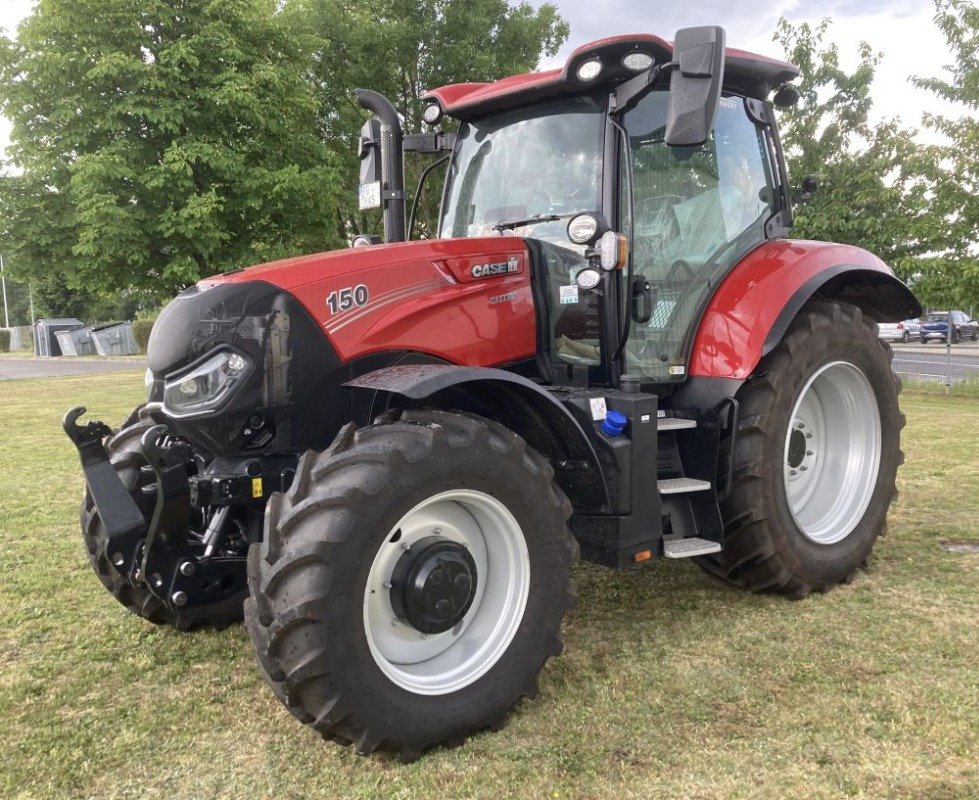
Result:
pixel 696 211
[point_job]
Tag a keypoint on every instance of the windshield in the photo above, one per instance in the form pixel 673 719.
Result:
pixel 541 160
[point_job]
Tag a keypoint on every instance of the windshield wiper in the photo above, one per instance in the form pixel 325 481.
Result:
pixel 510 224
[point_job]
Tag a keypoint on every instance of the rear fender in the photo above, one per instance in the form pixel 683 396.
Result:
pixel 754 305
pixel 510 399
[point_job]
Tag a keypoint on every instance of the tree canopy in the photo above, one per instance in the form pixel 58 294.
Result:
pixel 952 274
pixel 874 178
pixel 158 141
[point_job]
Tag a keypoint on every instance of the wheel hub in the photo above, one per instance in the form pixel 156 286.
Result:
pixel 433 585
pixel 832 453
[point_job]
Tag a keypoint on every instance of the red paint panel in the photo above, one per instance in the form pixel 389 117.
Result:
pixel 742 311
pixel 422 297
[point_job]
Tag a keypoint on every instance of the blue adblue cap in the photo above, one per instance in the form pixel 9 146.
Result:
pixel 614 423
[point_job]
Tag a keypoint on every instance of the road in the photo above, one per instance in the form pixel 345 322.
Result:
pixel 931 362
pixel 922 361
pixel 17 368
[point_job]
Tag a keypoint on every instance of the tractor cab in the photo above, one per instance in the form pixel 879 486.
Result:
pixel 671 148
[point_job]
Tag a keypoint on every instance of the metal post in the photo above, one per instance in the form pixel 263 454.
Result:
pixel 948 356
pixel 30 294
pixel 3 280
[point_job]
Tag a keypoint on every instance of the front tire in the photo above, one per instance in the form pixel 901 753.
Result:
pixel 815 458
pixel 351 634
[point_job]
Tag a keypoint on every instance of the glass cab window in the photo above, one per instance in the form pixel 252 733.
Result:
pixel 695 212
pixel 544 160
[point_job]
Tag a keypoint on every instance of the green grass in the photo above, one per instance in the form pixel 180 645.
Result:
pixel 671 685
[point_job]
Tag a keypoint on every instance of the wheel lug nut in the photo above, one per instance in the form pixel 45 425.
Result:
pixel 179 598
pixel 808 452
pixel 808 435
pixel 803 467
pixel 118 560
pixel 801 425
pixel 791 472
pixel 188 568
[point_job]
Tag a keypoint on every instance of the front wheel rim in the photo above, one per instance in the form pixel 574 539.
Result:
pixel 832 453
pixel 440 663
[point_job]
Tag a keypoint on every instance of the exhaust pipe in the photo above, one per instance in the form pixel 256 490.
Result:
pixel 392 163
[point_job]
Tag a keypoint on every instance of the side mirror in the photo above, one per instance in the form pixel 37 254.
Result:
pixel 369 151
pixel 695 86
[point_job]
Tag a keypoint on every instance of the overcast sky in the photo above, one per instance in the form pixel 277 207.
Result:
pixel 902 29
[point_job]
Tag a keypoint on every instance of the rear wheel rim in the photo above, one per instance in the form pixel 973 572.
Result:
pixel 832 453
pixel 434 664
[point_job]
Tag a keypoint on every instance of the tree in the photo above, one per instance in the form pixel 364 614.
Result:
pixel 951 277
pixel 874 179
pixel 400 48
pixel 158 141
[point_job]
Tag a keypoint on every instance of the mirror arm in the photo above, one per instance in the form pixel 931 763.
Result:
pixel 628 94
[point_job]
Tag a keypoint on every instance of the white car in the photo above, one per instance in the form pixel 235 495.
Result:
pixel 898 331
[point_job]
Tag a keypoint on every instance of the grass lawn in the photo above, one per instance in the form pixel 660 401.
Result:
pixel 671 686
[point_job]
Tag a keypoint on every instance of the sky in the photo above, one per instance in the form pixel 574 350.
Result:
pixel 902 30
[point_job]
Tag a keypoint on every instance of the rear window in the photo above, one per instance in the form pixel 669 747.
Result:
pixel 936 318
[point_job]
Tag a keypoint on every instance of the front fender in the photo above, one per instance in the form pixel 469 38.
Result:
pixel 512 400
pixel 754 305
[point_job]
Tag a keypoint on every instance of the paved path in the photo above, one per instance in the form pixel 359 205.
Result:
pixel 16 368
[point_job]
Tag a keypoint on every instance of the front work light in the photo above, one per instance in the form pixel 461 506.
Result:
pixel 582 228
pixel 207 386
pixel 432 113
pixel 589 70
pixel 637 61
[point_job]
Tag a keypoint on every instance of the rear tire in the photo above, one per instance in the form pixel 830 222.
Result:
pixel 815 458
pixel 322 612
pixel 126 455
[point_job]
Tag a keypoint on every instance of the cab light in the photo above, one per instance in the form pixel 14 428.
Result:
pixel 589 70
pixel 642 555
pixel 637 62
pixel 432 113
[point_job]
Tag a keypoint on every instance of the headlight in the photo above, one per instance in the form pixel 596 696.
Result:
pixel 206 386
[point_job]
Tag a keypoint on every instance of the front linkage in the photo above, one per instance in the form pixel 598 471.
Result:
pixel 184 569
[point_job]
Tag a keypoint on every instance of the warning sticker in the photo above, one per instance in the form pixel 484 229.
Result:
pixel 256 488
pixel 598 408
pixel 569 295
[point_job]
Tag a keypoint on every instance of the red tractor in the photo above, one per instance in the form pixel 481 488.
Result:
pixel 391 455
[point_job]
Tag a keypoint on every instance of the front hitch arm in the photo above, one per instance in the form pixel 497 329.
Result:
pixel 125 526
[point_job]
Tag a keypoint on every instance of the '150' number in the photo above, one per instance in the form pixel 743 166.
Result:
pixel 348 298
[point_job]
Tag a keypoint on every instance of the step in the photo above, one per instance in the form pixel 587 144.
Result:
pixel 674 423
pixel 681 485
pixel 685 548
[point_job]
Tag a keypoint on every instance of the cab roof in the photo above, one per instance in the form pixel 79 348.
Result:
pixel 744 73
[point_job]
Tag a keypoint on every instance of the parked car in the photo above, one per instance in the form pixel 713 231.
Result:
pixel 899 331
pixel 935 326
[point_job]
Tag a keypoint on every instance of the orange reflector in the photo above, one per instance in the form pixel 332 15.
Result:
pixel 642 555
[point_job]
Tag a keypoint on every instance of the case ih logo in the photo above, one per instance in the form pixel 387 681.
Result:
pixel 500 268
